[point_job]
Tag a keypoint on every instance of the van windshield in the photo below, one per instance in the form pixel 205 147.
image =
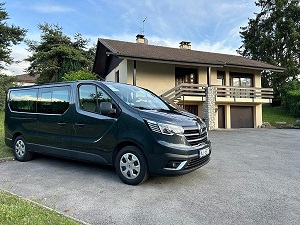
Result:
pixel 137 97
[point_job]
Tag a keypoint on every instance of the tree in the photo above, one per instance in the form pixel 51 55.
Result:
pixel 5 83
pixel 79 75
pixel 274 37
pixel 9 35
pixel 56 54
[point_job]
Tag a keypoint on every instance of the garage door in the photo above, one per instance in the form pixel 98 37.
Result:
pixel 241 117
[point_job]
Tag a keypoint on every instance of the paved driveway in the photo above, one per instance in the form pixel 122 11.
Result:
pixel 252 178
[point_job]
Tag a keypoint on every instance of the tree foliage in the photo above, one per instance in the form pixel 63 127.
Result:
pixel 274 37
pixel 9 35
pixel 5 83
pixel 56 54
pixel 79 75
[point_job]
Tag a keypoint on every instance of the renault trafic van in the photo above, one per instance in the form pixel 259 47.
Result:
pixel 108 123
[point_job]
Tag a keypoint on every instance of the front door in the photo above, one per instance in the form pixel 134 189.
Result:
pixel 94 135
pixel 221 116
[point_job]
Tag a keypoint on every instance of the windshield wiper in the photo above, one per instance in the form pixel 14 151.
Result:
pixel 141 107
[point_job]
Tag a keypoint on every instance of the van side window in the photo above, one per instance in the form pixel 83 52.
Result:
pixel 90 97
pixel 23 100
pixel 54 100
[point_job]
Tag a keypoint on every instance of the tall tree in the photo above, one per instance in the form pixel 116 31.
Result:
pixel 9 35
pixel 274 37
pixel 56 54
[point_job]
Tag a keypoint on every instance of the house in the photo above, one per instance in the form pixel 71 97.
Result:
pixel 224 89
pixel 25 79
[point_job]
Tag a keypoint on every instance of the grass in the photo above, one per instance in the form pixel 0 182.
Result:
pixel 277 114
pixel 15 210
pixel 4 150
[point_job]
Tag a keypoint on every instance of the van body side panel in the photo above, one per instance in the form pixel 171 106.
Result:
pixel 22 123
pixel 94 136
pixel 55 131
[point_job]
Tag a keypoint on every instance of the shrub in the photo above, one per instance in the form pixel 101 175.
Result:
pixel 292 102
pixel 79 75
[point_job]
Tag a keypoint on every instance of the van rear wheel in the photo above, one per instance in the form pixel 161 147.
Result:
pixel 21 152
pixel 131 165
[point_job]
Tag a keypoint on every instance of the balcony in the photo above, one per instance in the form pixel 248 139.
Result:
pixel 243 95
pixel 224 94
pixel 184 91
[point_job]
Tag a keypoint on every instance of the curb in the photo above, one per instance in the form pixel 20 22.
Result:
pixel 7 159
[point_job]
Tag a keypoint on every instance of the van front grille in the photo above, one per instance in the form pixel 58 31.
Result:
pixel 195 135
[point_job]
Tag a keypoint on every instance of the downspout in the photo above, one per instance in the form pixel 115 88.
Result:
pixel 134 73
pixel 208 72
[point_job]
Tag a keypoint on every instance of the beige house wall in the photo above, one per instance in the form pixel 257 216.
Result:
pixel 157 77
pixel 122 68
pixel 256 75
pixel 258 115
pixel 202 76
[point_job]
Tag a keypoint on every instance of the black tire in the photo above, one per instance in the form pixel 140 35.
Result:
pixel 131 165
pixel 21 152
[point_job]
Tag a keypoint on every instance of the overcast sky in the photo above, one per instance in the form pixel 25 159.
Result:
pixel 212 25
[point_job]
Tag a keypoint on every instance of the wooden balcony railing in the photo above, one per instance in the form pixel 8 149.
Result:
pixel 199 90
pixel 241 92
pixel 184 90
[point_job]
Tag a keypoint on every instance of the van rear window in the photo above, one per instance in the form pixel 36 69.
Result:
pixel 23 100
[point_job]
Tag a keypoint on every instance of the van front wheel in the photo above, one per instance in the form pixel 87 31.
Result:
pixel 131 165
pixel 21 152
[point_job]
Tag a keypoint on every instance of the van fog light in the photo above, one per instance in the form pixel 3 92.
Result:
pixel 175 165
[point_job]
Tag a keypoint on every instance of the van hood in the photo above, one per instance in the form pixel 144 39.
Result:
pixel 177 117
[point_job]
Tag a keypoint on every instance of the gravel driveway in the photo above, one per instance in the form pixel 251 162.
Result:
pixel 253 178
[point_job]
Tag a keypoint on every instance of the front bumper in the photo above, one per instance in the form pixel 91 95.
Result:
pixel 174 162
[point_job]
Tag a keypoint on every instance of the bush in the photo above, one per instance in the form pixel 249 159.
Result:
pixel 292 102
pixel 291 97
pixel 79 75
pixel 5 83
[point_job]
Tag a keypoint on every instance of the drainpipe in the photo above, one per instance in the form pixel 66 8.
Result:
pixel 134 73
pixel 208 72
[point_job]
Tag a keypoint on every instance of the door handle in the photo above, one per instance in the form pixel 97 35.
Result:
pixel 79 124
pixel 61 124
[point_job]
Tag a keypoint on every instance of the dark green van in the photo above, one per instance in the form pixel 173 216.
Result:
pixel 108 123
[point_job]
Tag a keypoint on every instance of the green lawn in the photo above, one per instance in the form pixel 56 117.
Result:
pixel 4 150
pixel 15 210
pixel 277 114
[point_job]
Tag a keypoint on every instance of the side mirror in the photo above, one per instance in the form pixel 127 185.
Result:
pixel 106 108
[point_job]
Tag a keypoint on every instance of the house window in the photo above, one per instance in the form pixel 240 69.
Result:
pixel 241 79
pixel 117 76
pixel 185 75
pixel 221 78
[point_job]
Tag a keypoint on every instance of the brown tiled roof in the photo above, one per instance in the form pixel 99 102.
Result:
pixel 181 56
pixel 26 78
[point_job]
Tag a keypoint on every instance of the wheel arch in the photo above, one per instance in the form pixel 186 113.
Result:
pixel 125 144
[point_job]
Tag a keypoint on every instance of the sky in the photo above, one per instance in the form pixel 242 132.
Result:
pixel 212 25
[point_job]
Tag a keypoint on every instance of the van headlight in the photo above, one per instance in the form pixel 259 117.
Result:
pixel 164 128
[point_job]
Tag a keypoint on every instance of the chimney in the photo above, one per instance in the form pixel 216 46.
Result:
pixel 140 38
pixel 185 45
